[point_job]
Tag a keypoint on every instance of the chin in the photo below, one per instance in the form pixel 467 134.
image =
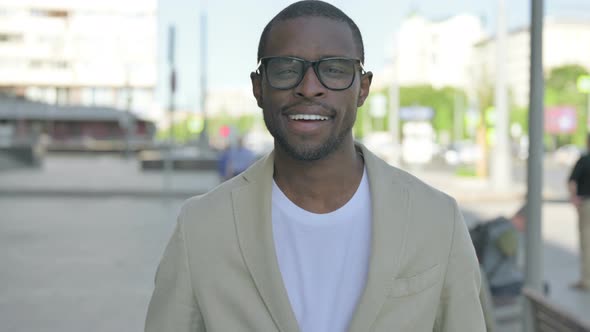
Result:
pixel 309 152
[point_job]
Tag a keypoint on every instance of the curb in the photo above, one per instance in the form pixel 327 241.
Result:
pixel 84 193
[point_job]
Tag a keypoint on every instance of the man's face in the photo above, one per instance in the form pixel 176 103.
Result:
pixel 288 114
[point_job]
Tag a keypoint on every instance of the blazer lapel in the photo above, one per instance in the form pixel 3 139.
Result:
pixel 390 200
pixel 252 211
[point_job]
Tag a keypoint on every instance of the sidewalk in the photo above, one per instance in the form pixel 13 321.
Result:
pixel 102 175
pixel 472 189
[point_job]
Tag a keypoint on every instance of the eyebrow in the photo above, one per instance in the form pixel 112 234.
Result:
pixel 320 58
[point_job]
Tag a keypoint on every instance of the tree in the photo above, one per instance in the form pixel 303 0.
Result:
pixel 564 78
pixel 561 90
pixel 442 101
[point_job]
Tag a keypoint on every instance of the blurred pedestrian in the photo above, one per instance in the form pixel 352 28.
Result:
pixel 321 234
pixel 579 188
pixel 235 159
pixel 498 244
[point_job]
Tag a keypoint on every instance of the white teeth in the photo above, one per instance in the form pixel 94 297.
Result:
pixel 311 117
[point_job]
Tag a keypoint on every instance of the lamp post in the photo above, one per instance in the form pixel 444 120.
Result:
pixel 394 101
pixel 130 121
pixel 204 138
pixel 394 113
pixel 171 62
pixel 168 163
pixel 501 165
pixel 583 84
pixel 533 239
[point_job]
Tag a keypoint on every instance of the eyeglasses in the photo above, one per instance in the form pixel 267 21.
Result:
pixel 285 73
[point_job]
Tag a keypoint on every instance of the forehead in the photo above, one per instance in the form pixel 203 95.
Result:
pixel 311 38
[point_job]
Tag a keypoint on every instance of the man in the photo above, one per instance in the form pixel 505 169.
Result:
pixel 579 188
pixel 320 235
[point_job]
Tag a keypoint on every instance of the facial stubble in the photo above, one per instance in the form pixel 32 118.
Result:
pixel 307 152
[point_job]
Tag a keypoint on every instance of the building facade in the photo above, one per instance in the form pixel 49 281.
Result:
pixel 565 42
pixel 437 53
pixel 89 53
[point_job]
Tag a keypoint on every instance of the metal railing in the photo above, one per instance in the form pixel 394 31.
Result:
pixel 548 317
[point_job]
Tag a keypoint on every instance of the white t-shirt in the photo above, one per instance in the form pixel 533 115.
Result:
pixel 323 258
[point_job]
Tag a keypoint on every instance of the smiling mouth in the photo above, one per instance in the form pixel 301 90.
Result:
pixel 308 117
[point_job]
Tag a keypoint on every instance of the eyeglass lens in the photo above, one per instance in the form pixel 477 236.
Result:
pixel 286 73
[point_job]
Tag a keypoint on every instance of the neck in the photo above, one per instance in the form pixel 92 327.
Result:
pixel 323 185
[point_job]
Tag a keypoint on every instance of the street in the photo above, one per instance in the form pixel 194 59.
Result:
pixel 80 264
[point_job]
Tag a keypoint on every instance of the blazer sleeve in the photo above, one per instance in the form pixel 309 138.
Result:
pixel 461 309
pixel 173 306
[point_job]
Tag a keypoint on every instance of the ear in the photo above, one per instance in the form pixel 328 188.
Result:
pixel 366 80
pixel 257 87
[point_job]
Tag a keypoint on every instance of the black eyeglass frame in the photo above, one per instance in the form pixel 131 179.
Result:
pixel 306 64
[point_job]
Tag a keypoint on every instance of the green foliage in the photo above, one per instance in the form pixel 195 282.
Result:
pixel 564 78
pixel 243 124
pixel 361 126
pixel 442 101
pixel 179 130
pixel 520 115
pixel 466 171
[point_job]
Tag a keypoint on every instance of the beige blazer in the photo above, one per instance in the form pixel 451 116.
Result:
pixel 220 273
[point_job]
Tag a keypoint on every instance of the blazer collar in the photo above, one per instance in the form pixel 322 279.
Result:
pixel 252 211
pixel 389 200
pixel 252 207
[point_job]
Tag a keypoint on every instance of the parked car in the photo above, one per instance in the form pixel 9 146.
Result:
pixel 462 153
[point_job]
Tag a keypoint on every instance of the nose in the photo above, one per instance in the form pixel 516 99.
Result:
pixel 310 86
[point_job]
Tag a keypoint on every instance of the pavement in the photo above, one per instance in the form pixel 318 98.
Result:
pixel 102 175
pixel 82 237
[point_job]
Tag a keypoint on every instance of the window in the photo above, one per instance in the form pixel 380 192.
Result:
pixel 10 38
pixel 49 13
pixel 48 64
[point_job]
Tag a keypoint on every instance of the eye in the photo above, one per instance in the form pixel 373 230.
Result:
pixel 335 70
pixel 280 67
pixel 287 71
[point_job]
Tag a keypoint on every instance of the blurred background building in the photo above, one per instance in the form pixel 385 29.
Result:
pixel 429 51
pixel 443 74
pixel 79 52
pixel 78 70
pixel 566 42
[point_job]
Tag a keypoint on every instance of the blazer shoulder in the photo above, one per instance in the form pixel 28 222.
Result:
pixel 420 189
pixel 209 203
pixel 429 208
pixel 417 187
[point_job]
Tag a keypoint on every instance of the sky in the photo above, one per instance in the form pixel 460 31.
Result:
pixel 234 28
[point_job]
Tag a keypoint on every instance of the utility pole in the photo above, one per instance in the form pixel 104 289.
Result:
pixel 204 138
pixel 168 163
pixel 171 62
pixel 583 84
pixel 533 239
pixel 458 107
pixel 501 161
pixel 394 106
pixel 130 121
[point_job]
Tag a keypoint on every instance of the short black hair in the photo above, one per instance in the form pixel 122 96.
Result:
pixel 312 8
